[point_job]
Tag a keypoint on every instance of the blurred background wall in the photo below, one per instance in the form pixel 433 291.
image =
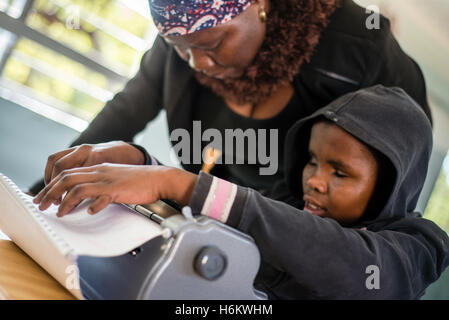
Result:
pixel 61 60
pixel 422 31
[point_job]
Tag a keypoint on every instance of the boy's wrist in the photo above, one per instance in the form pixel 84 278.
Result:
pixel 178 185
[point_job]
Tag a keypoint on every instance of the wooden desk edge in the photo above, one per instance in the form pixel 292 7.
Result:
pixel 23 279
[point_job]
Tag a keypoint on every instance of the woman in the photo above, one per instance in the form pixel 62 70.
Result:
pixel 244 64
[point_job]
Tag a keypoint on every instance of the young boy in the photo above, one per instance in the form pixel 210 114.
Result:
pixel 354 172
pixel 368 159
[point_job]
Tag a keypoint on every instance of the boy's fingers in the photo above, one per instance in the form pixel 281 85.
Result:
pixel 66 208
pixel 64 184
pixel 38 198
pixel 76 195
pixel 58 201
pixel 99 204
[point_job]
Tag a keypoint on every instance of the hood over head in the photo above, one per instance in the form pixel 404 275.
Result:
pixel 385 119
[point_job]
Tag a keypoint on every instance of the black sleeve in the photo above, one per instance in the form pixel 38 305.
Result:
pixel 317 258
pixel 148 159
pixel 131 109
pixel 391 66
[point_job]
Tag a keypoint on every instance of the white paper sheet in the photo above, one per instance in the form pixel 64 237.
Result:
pixel 113 231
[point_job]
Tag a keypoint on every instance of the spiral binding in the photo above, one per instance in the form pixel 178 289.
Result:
pixel 59 242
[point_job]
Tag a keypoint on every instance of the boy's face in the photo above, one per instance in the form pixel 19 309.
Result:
pixel 340 177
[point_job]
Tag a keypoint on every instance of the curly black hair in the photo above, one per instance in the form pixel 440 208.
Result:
pixel 293 31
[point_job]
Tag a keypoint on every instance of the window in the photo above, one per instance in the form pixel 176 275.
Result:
pixel 72 54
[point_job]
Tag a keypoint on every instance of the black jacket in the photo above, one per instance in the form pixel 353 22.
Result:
pixel 310 257
pixel 348 57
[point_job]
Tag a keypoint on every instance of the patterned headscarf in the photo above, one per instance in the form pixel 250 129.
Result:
pixel 180 17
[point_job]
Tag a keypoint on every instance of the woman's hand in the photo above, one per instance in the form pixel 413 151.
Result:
pixel 108 183
pixel 91 154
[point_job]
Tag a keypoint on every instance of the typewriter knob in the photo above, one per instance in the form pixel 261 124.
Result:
pixel 210 263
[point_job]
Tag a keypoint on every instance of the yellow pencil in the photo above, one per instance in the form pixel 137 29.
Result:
pixel 211 156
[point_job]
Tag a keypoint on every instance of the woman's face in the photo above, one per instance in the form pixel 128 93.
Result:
pixel 340 177
pixel 224 51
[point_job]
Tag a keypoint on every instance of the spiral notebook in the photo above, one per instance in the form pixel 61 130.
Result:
pixel 55 243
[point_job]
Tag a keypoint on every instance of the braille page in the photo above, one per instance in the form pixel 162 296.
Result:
pixel 114 231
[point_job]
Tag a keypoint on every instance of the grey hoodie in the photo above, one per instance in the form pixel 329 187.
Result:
pixel 309 257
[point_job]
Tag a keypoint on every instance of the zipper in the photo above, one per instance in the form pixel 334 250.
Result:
pixel 337 76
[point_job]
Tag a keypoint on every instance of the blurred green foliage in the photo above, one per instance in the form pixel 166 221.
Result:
pixel 24 74
pixel 53 18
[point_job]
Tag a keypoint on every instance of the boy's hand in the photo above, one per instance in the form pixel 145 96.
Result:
pixel 88 155
pixel 108 183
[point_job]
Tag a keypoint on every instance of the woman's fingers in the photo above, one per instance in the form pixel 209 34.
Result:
pixel 74 159
pixel 51 162
pixel 88 155
pixel 38 198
